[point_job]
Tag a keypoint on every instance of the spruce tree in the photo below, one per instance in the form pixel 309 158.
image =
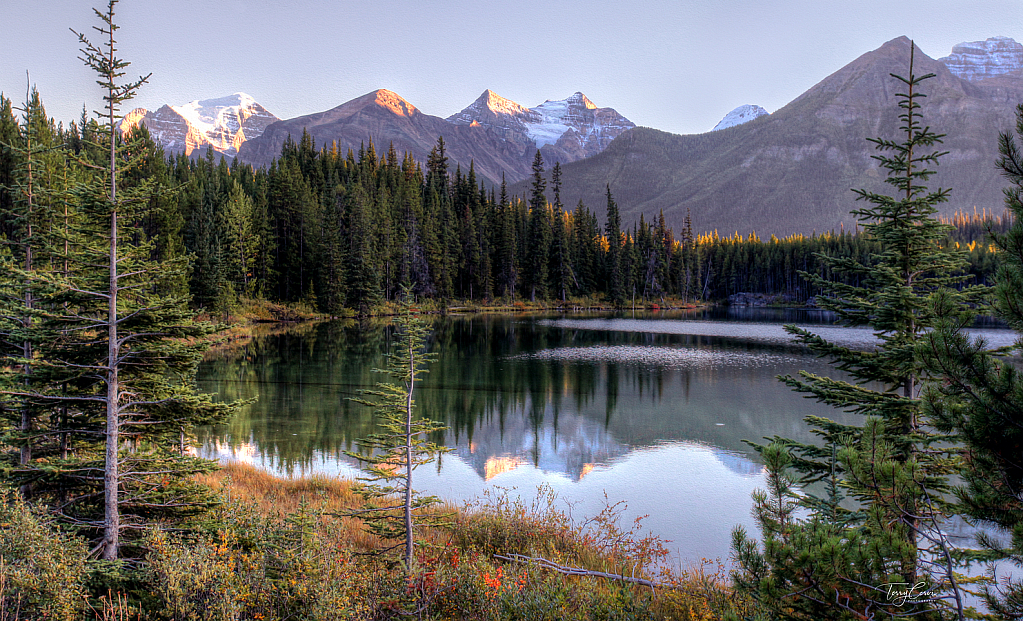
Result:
pixel 210 286
pixel 615 261
pixel 25 216
pixel 540 234
pixel 506 245
pixel 979 398
pixel 392 455
pixel 562 274
pixel 842 561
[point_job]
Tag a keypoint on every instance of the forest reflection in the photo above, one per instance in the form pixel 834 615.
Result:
pixel 513 390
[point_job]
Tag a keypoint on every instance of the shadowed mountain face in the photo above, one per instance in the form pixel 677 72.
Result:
pixel 792 171
pixel 495 133
pixel 385 118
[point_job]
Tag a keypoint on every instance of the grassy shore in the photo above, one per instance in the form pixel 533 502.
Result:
pixel 284 549
pixel 250 319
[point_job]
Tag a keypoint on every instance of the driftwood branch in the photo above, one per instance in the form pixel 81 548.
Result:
pixel 579 571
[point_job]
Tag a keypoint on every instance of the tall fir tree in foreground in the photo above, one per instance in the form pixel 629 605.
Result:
pixel 979 398
pixel 114 356
pixel 822 557
pixel 392 455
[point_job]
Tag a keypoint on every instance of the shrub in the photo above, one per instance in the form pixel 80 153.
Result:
pixel 43 569
pixel 256 567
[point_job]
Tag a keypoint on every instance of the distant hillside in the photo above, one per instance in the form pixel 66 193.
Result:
pixel 791 171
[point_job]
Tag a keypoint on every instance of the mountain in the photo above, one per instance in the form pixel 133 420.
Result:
pixel 742 114
pixel 565 130
pixel 385 118
pixel 977 60
pixel 791 171
pixel 222 124
pixel 496 134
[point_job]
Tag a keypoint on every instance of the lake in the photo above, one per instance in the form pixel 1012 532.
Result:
pixel 650 408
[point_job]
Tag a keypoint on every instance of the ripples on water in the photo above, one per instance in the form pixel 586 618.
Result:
pixel 661 357
pixel 765 333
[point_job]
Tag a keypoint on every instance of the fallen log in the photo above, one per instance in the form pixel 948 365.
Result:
pixel 579 571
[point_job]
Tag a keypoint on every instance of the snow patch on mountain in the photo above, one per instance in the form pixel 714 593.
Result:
pixel 586 129
pixel 742 114
pixel 557 117
pixel 977 60
pixel 223 123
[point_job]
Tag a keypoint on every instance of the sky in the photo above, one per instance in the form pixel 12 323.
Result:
pixel 675 65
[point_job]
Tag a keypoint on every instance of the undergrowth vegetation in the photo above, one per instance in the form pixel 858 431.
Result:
pixel 274 549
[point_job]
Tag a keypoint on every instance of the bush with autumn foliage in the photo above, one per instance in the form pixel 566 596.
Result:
pixel 275 550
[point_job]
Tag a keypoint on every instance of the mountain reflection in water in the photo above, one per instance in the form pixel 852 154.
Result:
pixel 588 405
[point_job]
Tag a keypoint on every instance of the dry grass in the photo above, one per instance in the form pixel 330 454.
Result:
pixel 277 496
pixel 273 494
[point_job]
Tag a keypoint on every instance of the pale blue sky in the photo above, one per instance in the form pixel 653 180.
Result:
pixel 677 65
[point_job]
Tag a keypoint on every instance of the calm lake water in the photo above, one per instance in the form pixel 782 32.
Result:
pixel 651 409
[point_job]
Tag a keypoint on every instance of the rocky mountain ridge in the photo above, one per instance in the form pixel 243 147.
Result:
pixel 496 135
pixel 222 124
pixel 978 60
pixel 792 171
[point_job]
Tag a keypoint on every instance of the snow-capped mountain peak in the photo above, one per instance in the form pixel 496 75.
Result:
pixel 222 123
pixel 579 114
pixel 575 124
pixel 205 115
pixel 500 105
pixel 742 114
pixel 977 60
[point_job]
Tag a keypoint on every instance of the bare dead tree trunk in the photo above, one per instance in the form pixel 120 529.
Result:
pixel 111 476
pixel 408 456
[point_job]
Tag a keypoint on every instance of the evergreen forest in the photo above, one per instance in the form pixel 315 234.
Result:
pixel 112 252
pixel 342 232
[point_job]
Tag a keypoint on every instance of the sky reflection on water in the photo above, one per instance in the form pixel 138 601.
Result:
pixel 653 412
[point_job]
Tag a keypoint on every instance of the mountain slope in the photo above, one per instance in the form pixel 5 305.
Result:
pixel 742 114
pixel 792 171
pixel 497 134
pixel 222 124
pixel 977 60
pixel 565 130
pixel 385 118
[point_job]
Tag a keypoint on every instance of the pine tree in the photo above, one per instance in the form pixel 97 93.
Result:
pixel 979 398
pixel 393 455
pixel 838 562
